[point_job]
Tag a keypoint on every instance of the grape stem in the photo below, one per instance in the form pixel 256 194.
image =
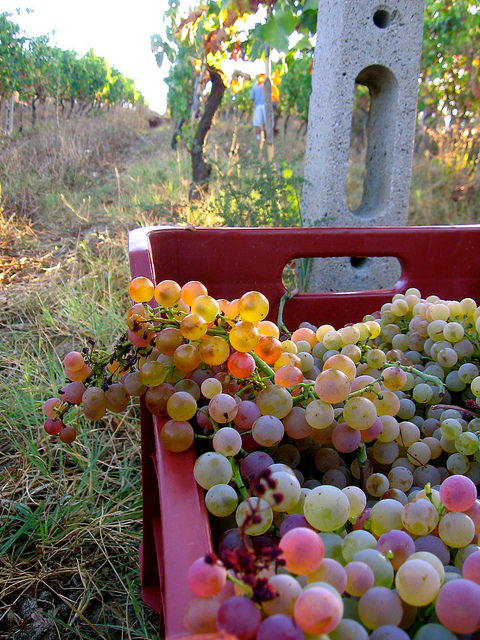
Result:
pixel 367 388
pixel 238 582
pixel 457 408
pixel 263 366
pixel 439 507
pixel 286 296
pixel 237 478
pixel 421 374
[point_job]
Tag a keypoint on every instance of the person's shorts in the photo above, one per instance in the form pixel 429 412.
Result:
pixel 259 115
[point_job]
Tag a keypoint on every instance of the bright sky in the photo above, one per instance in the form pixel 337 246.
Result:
pixel 117 30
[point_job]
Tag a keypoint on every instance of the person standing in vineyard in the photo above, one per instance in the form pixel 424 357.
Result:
pixel 259 118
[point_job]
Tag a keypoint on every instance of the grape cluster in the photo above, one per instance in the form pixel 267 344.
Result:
pixel 344 461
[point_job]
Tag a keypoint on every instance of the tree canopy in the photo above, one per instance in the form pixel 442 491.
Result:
pixel 449 85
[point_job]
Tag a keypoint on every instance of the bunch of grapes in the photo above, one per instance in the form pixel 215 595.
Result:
pixel 344 462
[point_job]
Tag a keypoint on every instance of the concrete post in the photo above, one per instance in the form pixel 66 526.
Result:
pixel 376 44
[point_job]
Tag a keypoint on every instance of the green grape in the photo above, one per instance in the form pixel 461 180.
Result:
pixel 356 541
pixel 467 443
pixel 326 508
pixel 275 400
pixel 255 515
pixel 417 582
pixel 212 468
pixel 221 500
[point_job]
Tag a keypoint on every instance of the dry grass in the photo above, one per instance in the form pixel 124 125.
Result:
pixel 446 179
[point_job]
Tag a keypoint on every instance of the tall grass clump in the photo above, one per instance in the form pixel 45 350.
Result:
pixel 446 180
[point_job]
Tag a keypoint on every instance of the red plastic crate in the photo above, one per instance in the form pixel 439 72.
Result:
pixel 444 260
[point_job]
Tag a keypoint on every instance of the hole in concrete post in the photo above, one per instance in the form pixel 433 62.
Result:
pixel 358 262
pixel 358 147
pixel 381 18
pixel 382 87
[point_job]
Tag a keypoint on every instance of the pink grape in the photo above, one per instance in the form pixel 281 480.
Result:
pixel 230 540
pixel 253 465
pixel 332 572
pixel 73 361
pixel 458 493
pixel 474 513
pixel 345 439
pixel 206 577
pixel 227 441
pixel 397 543
pixel 50 406
pixel 389 632
pixel 380 565
pixel 73 392
pixel 239 616
pixel 302 550
pixel 67 434
pixel 372 433
pixel 267 430
pixel 222 408
pixel 360 578
pixel 53 426
pixel 379 606
pixel 362 519
pixel 247 413
pixel 201 615
pixel 318 610
pixel 433 544
pixel 471 567
pixel 458 605
pixel 292 521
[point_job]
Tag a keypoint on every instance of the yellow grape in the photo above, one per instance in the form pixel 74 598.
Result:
pixel 206 307
pixel 253 306
pixel 168 340
pixel 152 373
pixel 321 331
pixel 341 363
pixel 177 436
pixel 244 336
pixel 141 289
pixel 214 350
pixel 268 328
pixel 186 357
pixel 181 406
pixel 192 290
pixel 193 326
pixel 167 293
